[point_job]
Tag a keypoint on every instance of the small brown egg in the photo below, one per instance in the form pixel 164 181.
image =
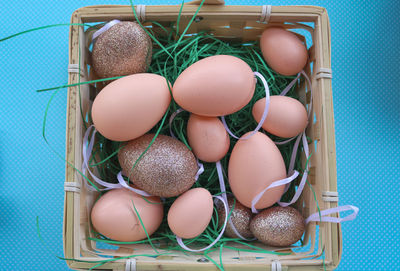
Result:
pixel 190 213
pixel 254 164
pixel 283 51
pixel 278 226
pixel 123 49
pixel 240 217
pixel 287 117
pixel 207 137
pixel 167 169
pixel 114 216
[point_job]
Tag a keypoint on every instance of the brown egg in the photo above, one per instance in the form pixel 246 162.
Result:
pixel 283 51
pixel 129 107
pixel 240 217
pixel 287 117
pixel 278 226
pixel 167 169
pixel 207 137
pixel 114 216
pixel 123 49
pixel 254 164
pixel 215 86
pixel 191 213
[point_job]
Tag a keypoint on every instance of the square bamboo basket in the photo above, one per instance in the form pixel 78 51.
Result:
pixel 239 23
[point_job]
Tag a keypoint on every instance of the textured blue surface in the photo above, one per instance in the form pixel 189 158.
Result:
pixel 366 88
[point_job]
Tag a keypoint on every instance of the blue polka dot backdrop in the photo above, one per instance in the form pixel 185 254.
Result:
pixel 365 63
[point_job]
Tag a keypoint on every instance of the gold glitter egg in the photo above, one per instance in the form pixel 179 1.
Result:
pixel 240 217
pixel 123 49
pixel 278 226
pixel 167 169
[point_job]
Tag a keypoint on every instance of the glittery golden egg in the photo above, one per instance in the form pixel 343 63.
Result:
pixel 123 49
pixel 278 226
pixel 240 217
pixel 167 169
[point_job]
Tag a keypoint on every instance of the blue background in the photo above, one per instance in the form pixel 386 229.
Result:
pixel 366 88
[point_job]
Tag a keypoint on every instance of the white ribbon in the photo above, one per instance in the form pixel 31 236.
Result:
pixel 285 141
pixel 223 190
pixel 104 28
pixel 125 185
pixel 257 198
pixel 305 173
pixel 291 84
pixel 171 119
pixel 180 242
pixel 264 115
pixel 200 171
pixel 323 215
pixel 87 152
pixel 310 88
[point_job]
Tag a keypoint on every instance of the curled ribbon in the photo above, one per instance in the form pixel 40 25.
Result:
pixel 257 198
pixel 87 152
pixel 264 115
pixel 180 242
pixel 104 28
pixel 223 190
pixel 305 173
pixel 171 119
pixel 323 215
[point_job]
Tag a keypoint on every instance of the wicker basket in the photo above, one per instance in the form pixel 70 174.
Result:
pixel 244 23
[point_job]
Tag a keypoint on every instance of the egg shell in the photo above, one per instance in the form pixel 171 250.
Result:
pixel 130 106
pixel 215 86
pixel 123 49
pixel 207 137
pixel 283 51
pixel 254 164
pixel 240 217
pixel 114 216
pixel 191 213
pixel 167 169
pixel 287 117
pixel 278 226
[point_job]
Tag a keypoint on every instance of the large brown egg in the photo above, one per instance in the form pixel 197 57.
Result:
pixel 114 216
pixel 123 49
pixel 191 213
pixel 278 226
pixel 287 117
pixel 240 217
pixel 207 137
pixel 254 164
pixel 215 86
pixel 129 107
pixel 167 169
pixel 283 51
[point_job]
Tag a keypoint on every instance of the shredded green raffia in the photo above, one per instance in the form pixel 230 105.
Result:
pixel 39 28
